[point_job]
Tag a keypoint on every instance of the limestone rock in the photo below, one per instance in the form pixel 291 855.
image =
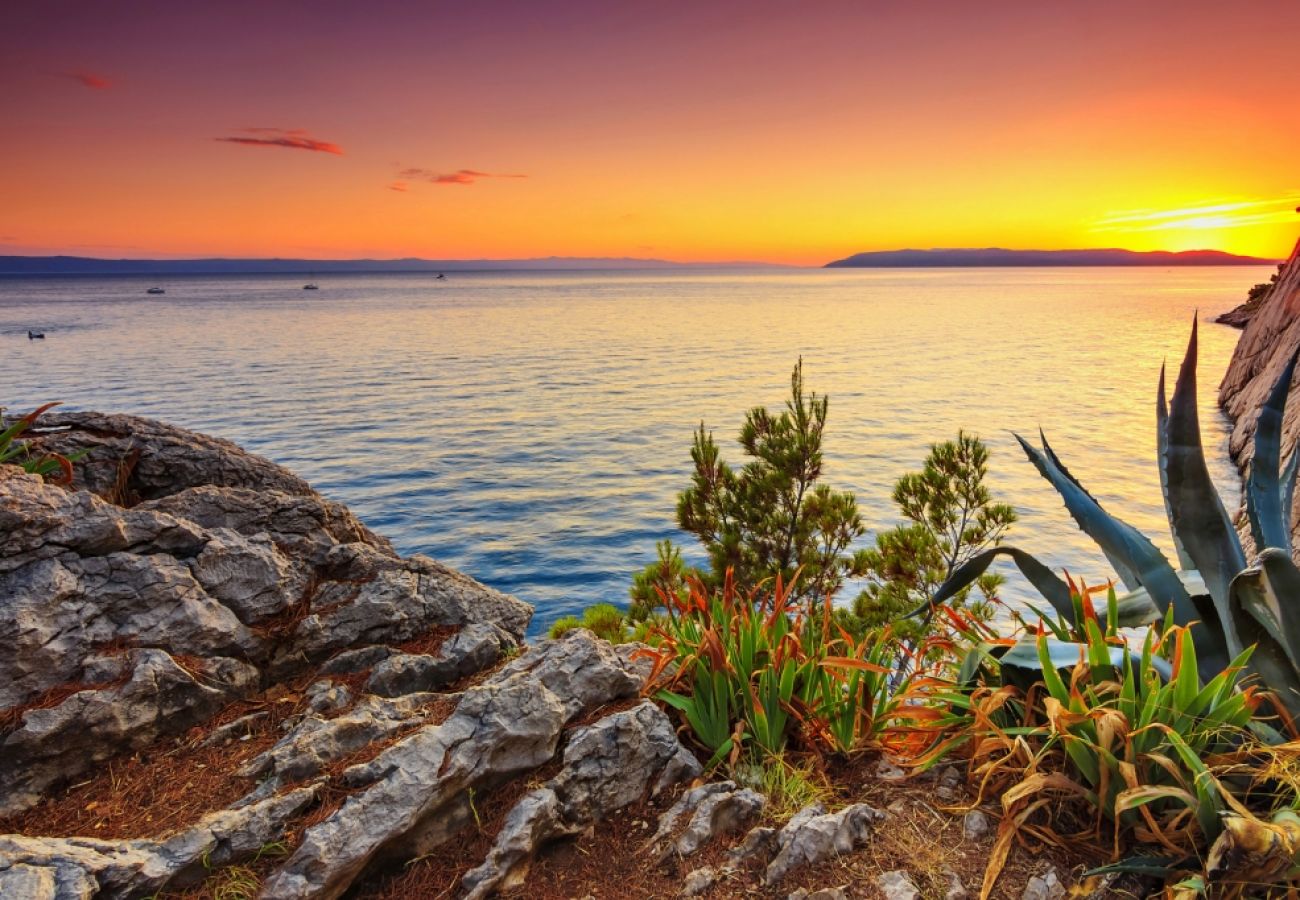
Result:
pixel 975 825
pixel 697 881
pixel 812 836
pixel 90 726
pixel 473 648
pixel 687 803
pixel 897 885
pixel 1270 338
pixel 193 551
pixel 315 742
pixel 759 845
pixel 607 766
pixel 509 724
pixel 138 867
pixel 718 814
pixel 835 893
pixel 1046 886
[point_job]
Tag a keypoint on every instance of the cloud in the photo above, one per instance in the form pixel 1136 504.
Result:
pixel 399 186
pixel 90 80
pixel 461 176
pixel 1210 214
pixel 289 138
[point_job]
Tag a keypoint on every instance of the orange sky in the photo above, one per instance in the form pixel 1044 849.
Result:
pixel 780 131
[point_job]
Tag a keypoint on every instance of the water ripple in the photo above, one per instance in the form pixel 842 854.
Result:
pixel 533 428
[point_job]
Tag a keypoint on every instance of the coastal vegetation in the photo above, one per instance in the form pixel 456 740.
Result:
pixel 52 466
pixel 1155 723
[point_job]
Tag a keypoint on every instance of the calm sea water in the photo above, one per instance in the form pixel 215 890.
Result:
pixel 532 429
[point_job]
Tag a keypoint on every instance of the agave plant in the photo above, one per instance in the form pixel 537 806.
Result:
pixel 1236 605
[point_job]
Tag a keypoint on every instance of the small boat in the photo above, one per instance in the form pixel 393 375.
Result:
pixel 441 277
pixel 310 286
pixel 155 290
pixel 35 335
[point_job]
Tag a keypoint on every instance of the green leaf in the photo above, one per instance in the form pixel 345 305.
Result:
pixel 1265 493
pixel 1197 513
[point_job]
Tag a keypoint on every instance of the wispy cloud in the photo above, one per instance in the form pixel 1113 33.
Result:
pixel 399 186
pixel 461 176
pixel 289 138
pixel 1210 214
pixel 90 80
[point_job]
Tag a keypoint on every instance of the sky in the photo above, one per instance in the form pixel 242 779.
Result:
pixel 756 130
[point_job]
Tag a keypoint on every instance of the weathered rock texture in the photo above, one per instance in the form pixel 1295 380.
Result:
pixel 125 622
pixel 179 575
pixel 1270 338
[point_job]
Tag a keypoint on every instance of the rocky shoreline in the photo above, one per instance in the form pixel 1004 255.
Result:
pixel 184 587
pixel 222 684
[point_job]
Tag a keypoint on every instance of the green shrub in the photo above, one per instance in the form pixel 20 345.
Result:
pixel 563 625
pixel 949 517
pixel 773 516
pixel 605 620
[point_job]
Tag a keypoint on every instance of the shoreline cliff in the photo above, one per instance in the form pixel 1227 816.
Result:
pixel 1270 338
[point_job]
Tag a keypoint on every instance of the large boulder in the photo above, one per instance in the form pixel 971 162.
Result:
pixel 176 574
pixel 182 585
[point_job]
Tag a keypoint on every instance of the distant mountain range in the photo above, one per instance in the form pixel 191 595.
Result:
pixel 993 256
pixel 996 256
pixel 82 265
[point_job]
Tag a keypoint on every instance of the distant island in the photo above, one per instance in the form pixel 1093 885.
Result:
pixel 996 256
pixel 83 265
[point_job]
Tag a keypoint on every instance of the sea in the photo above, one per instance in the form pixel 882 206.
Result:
pixel 533 429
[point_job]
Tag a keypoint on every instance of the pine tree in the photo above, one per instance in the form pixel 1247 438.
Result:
pixel 772 516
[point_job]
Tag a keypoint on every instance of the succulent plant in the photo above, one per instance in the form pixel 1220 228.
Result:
pixel 1236 605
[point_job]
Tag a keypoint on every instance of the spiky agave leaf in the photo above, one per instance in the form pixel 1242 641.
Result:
pixel 1266 493
pixel 1148 567
pixel 1262 600
pixel 1287 487
pixel 1137 607
pixel 1087 511
pixel 1196 511
pixel 1162 448
pixel 1047 583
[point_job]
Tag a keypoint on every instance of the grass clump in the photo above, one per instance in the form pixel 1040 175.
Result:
pixel 605 620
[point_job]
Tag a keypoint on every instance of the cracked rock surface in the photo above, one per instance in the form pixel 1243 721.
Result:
pixel 181 585
pixel 178 573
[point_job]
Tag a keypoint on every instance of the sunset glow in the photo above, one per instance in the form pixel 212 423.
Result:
pixel 721 131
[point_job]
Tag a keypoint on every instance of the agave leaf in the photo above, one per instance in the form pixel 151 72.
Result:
pixel 1121 541
pixel 1196 511
pixel 1162 447
pixel 1047 583
pixel 1105 529
pixel 1258 595
pixel 1264 491
pixel 1159 866
pixel 1287 487
pixel 1137 608
pixel 1022 665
